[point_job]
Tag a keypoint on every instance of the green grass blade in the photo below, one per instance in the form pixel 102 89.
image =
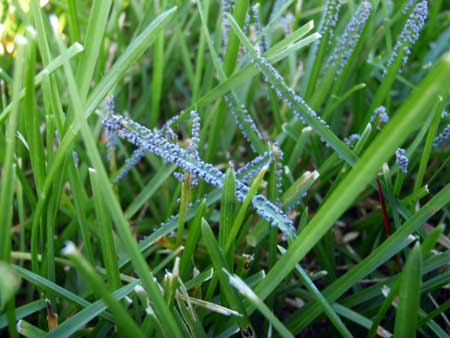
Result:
pixel 219 264
pixel 29 330
pixel 24 311
pixel 7 182
pixel 426 153
pixel 90 312
pixel 8 165
pixel 192 240
pixel 320 299
pixel 106 235
pixel 126 325
pixel 239 219
pixel 409 295
pixel 149 190
pixel 227 206
pixel 92 44
pixel 248 293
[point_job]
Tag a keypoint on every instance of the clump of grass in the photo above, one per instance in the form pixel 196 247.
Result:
pixel 249 174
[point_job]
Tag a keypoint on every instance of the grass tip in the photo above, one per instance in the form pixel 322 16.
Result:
pixel 412 238
pixel 19 326
pixel 69 249
pixel 78 47
pixel 21 40
pixel 139 289
pixel 385 290
pixel 240 285
pixel 128 300
pixel 31 31
pixel 314 175
pixel 54 22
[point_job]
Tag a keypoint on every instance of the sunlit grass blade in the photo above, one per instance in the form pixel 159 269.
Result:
pixel 57 62
pixel 7 178
pixel 8 165
pixel 136 48
pixel 94 36
pixel 161 308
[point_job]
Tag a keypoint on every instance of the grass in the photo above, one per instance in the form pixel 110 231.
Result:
pixel 265 219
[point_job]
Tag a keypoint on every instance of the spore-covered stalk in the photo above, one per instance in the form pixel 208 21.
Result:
pixel 152 141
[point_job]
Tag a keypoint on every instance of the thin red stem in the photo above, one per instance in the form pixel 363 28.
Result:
pixel 387 223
